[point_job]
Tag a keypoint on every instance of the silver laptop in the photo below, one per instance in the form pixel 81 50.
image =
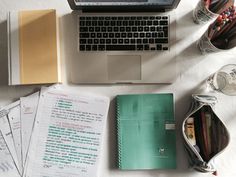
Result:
pixel 124 41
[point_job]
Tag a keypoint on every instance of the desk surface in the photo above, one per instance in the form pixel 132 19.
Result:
pixel 193 68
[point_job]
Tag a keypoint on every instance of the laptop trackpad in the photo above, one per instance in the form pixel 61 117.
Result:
pixel 124 67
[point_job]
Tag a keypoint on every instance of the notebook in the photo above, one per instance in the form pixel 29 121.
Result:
pixel 109 53
pixel 32 42
pixel 146 131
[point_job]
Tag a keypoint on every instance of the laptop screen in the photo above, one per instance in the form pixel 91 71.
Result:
pixel 127 4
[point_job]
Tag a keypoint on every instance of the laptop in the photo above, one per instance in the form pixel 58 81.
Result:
pixel 124 41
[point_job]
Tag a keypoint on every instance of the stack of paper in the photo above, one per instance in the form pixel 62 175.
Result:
pixel 52 133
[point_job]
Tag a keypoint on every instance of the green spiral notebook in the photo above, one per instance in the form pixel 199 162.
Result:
pixel 146 131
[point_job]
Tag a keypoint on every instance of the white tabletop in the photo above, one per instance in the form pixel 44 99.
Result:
pixel 193 69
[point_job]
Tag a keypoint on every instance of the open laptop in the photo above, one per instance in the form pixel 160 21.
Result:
pixel 119 56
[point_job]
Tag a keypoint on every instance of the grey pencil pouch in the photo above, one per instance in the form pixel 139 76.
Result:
pixel 205 135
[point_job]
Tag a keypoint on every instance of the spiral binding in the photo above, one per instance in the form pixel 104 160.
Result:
pixel 118 131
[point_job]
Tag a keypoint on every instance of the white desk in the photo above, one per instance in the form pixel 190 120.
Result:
pixel 193 69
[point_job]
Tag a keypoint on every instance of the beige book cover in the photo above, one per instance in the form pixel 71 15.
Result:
pixel 38 55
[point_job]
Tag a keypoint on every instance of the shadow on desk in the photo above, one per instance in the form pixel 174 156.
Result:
pixel 68 42
pixel 3 54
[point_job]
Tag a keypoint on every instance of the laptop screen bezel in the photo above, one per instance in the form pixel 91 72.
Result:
pixel 121 8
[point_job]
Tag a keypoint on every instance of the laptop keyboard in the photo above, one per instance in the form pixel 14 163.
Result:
pixel 123 33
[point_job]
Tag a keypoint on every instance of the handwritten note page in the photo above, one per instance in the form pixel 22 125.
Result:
pixel 7 165
pixel 67 135
pixel 29 106
pixel 7 132
pixel 15 124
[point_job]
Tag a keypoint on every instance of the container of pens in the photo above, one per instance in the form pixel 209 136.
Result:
pixel 221 34
pixel 207 10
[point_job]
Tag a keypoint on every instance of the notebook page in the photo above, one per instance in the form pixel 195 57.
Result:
pixel 7 133
pixel 67 135
pixel 7 165
pixel 14 121
pixel 28 108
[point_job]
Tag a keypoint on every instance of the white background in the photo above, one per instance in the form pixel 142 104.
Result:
pixel 193 69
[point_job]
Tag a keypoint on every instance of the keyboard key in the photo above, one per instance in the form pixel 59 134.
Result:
pixel 102 41
pixel 104 29
pixel 163 22
pixel 108 41
pixel 134 29
pixel 117 35
pixel 151 41
pixel 101 47
pixel 165 48
pixel 160 34
pixel 120 47
pixel 159 47
pixel 146 47
pixel 82 47
pixel 88 18
pixel 140 28
pixel 99 35
pixel 90 41
pixel 165 17
pixel 148 35
pixel 93 35
pixel 161 40
pixel 146 28
pixel 113 23
pixel 126 41
pixel 123 35
pixel 111 35
pixel 82 23
pixel 91 29
pixel 145 41
pixel 84 35
pixel 82 41
pixel 83 29
pixel 155 22
pixel 97 29
pixel 139 47
pixel 105 35
pixel 88 23
pixel 142 35
pixel 152 28
pixel 135 35
pixel 88 47
pixel 82 18
pixel 94 23
pixel 95 41
pixel 114 41
pixel 120 41
pixel 100 23
pixel 149 23
pixel 139 41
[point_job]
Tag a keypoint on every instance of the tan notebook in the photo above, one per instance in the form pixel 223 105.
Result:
pixel 35 60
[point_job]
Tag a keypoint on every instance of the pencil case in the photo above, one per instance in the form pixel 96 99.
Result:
pixel 205 135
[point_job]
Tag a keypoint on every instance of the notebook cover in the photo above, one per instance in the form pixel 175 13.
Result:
pixel 38 47
pixel 146 131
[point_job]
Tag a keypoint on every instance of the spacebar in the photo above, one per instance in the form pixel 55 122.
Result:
pixel 120 47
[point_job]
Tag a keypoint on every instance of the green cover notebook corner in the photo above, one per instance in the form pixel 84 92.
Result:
pixel 146 131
